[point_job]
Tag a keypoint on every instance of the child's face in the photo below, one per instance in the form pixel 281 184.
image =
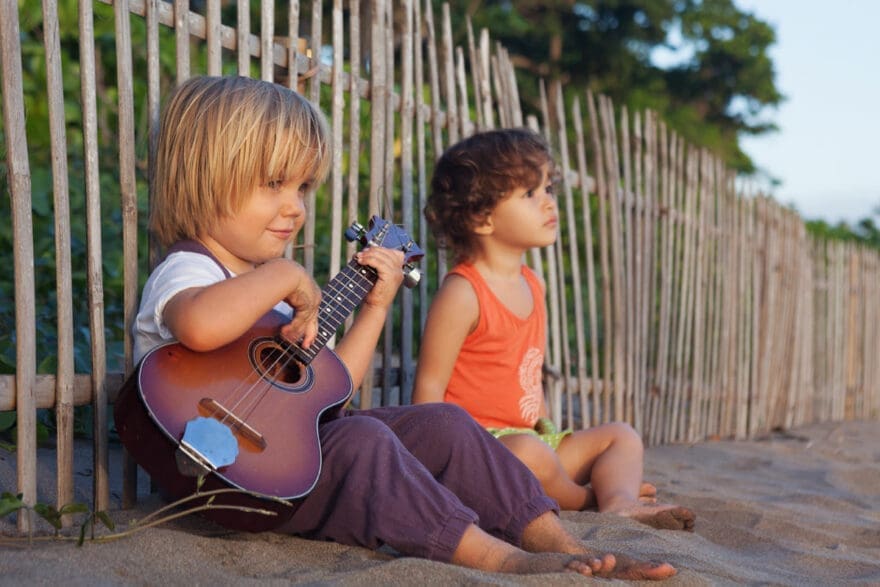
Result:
pixel 527 217
pixel 269 219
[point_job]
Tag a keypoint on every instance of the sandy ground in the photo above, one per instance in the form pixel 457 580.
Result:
pixel 795 508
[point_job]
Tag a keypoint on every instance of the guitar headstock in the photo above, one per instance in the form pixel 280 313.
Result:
pixel 382 233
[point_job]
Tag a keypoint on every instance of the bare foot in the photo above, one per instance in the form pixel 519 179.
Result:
pixel 614 566
pixel 559 552
pixel 663 516
pixel 528 563
pixel 631 569
pixel 545 534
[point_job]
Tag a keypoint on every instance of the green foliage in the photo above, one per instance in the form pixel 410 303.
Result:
pixel 865 231
pixel 711 96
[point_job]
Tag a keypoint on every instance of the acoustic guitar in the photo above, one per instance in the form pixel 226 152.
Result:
pixel 246 415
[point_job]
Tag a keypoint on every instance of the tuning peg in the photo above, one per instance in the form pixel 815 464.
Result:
pixel 411 276
pixel 354 232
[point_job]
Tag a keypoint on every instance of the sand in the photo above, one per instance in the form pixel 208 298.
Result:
pixel 800 507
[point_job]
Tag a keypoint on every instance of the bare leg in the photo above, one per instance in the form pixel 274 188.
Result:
pixel 647 494
pixel 611 458
pixel 546 466
pixel 478 550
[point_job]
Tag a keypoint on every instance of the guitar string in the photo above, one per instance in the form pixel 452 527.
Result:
pixel 254 392
pixel 352 297
pixel 287 357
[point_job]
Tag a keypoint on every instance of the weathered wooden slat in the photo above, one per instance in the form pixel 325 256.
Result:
pixel 19 181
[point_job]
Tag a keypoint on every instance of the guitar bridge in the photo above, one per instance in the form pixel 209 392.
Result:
pixel 224 415
pixel 207 445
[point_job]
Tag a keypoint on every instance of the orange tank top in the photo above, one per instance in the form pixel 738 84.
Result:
pixel 497 375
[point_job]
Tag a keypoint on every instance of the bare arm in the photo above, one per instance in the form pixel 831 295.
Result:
pixel 453 315
pixel 206 318
pixel 357 347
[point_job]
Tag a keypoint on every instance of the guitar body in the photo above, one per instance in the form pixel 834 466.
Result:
pixel 279 453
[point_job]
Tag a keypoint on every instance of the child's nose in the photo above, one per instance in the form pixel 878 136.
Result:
pixel 293 204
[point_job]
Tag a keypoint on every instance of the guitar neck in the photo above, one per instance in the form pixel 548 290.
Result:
pixel 339 298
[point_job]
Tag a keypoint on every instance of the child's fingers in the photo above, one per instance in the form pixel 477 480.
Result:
pixel 388 264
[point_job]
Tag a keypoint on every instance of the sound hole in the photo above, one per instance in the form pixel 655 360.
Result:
pixel 277 364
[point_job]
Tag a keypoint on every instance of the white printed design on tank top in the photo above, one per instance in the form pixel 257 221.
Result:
pixel 530 381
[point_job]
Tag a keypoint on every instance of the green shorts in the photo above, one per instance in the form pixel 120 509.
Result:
pixel 553 439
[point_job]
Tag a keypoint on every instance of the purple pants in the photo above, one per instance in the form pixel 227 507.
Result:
pixel 414 478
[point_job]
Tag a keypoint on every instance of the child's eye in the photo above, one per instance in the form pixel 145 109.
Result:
pixel 305 187
pixel 275 184
pixel 550 189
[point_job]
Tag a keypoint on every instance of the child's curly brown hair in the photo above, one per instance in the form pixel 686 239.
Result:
pixel 474 175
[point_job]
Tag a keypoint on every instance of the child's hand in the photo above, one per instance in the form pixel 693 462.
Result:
pixel 388 264
pixel 305 299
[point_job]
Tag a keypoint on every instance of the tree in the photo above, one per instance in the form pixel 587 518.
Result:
pixel 715 91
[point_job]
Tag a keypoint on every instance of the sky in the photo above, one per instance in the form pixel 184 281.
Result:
pixel 827 150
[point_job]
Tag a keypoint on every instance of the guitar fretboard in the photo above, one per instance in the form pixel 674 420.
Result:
pixel 339 298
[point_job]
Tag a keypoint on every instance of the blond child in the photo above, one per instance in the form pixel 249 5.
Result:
pixel 235 159
pixel 491 201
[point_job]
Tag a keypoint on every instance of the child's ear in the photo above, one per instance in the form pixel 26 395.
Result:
pixel 486 227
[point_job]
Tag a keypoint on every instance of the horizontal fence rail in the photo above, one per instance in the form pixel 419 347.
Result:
pixel 677 301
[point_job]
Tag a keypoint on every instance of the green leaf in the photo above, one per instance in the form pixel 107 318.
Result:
pixel 7 420
pixel 74 508
pixel 50 514
pixel 106 520
pixel 82 531
pixel 10 503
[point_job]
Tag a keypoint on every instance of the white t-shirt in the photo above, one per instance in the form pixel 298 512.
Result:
pixel 179 271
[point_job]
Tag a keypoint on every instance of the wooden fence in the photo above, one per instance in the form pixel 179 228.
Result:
pixel 677 302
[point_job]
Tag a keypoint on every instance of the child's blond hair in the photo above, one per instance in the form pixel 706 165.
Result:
pixel 221 137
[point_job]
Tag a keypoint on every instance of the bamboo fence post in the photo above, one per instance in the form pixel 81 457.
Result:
pixel 314 95
pixel 407 363
pixel 697 341
pixel 644 248
pixel 629 286
pixel 586 219
pixel 711 270
pixel 19 181
pixel 337 117
pixel 61 194
pixel 448 74
pixel 570 224
pixel 744 382
pixel 476 73
pixel 436 123
pixel 242 37
pixel 663 284
pixel 129 204
pixel 94 263
pixel 685 306
pixel 677 210
pixel 485 81
pixel 292 43
pixel 604 263
pixel 213 37
pixel 386 206
pixel 181 37
pixel 555 281
pixel 267 41
pixel 421 158
pixel 851 343
pixel 618 319
pixel 461 80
